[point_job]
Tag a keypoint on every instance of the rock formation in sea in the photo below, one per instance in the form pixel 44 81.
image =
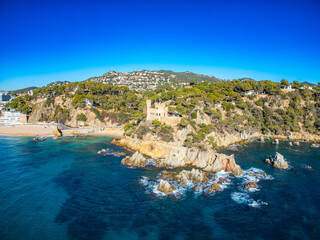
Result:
pixel 166 187
pixel 57 132
pixel 136 160
pixel 251 185
pixel 170 155
pixel 278 161
pixel 214 188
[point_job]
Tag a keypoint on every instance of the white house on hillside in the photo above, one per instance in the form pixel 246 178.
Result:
pixel 251 92
pixel 13 117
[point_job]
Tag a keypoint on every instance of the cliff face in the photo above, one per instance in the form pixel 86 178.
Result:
pixel 42 111
pixel 170 155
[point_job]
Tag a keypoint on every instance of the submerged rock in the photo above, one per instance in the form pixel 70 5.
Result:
pixel 251 185
pixel 278 161
pixel 184 176
pixel 276 141
pixel 166 187
pixel 267 160
pixel 136 160
pixel 39 139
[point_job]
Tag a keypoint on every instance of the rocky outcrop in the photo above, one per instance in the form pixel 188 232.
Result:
pixel 184 176
pixel 278 161
pixel 170 155
pixel 57 132
pixel 251 185
pixel 166 187
pixel 136 160
pixel 214 187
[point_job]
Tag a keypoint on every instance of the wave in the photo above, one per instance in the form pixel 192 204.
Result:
pixel 244 198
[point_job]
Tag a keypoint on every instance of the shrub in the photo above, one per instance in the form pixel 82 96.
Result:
pixel 81 117
pixel 156 123
pixel 194 115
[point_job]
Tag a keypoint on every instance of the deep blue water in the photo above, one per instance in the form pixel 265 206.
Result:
pixel 64 190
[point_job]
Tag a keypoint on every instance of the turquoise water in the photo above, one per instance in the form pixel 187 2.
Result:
pixel 64 190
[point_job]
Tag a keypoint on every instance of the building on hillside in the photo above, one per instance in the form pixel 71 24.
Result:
pixel 251 92
pixel 305 87
pixel 13 117
pixel 286 87
pixel 4 97
pixel 160 112
pixel 87 102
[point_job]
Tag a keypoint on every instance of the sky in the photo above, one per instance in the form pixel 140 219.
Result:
pixel 45 41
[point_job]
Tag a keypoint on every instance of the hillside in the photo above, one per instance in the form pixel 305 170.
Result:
pixel 206 114
pixel 150 80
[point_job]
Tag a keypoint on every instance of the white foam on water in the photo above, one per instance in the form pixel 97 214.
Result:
pixel 244 198
pixel 151 186
pixel 253 175
pixel 150 162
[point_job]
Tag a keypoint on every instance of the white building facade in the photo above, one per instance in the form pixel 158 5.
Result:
pixel 13 117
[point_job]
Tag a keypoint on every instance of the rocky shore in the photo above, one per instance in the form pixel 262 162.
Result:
pixel 169 155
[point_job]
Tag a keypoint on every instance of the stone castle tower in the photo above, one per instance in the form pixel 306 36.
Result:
pixel 159 112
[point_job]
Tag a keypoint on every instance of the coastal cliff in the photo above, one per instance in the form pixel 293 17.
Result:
pixel 169 155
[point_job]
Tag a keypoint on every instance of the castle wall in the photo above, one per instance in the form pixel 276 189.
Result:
pixel 160 112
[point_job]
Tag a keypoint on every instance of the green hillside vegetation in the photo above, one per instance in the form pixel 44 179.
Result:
pixel 225 103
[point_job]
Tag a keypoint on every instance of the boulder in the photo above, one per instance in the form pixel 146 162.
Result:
pixel 196 188
pixel 276 141
pixel 262 139
pixel 166 187
pixel 169 175
pixel 137 160
pixel 251 185
pixel 223 180
pixel 57 132
pixel 296 143
pixel 267 160
pixel 290 144
pixel 278 161
pixel 214 187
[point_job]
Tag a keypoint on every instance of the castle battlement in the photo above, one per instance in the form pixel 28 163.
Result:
pixel 160 112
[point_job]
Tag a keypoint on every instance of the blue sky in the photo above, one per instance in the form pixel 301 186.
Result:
pixel 45 41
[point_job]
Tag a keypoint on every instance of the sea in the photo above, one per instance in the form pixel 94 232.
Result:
pixel 62 189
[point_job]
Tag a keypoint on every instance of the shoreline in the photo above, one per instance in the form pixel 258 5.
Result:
pixel 47 130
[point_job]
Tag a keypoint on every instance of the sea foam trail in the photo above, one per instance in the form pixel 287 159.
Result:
pixel 250 175
pixel 244 198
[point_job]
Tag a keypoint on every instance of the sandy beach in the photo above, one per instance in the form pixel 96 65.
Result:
pixel 47 130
